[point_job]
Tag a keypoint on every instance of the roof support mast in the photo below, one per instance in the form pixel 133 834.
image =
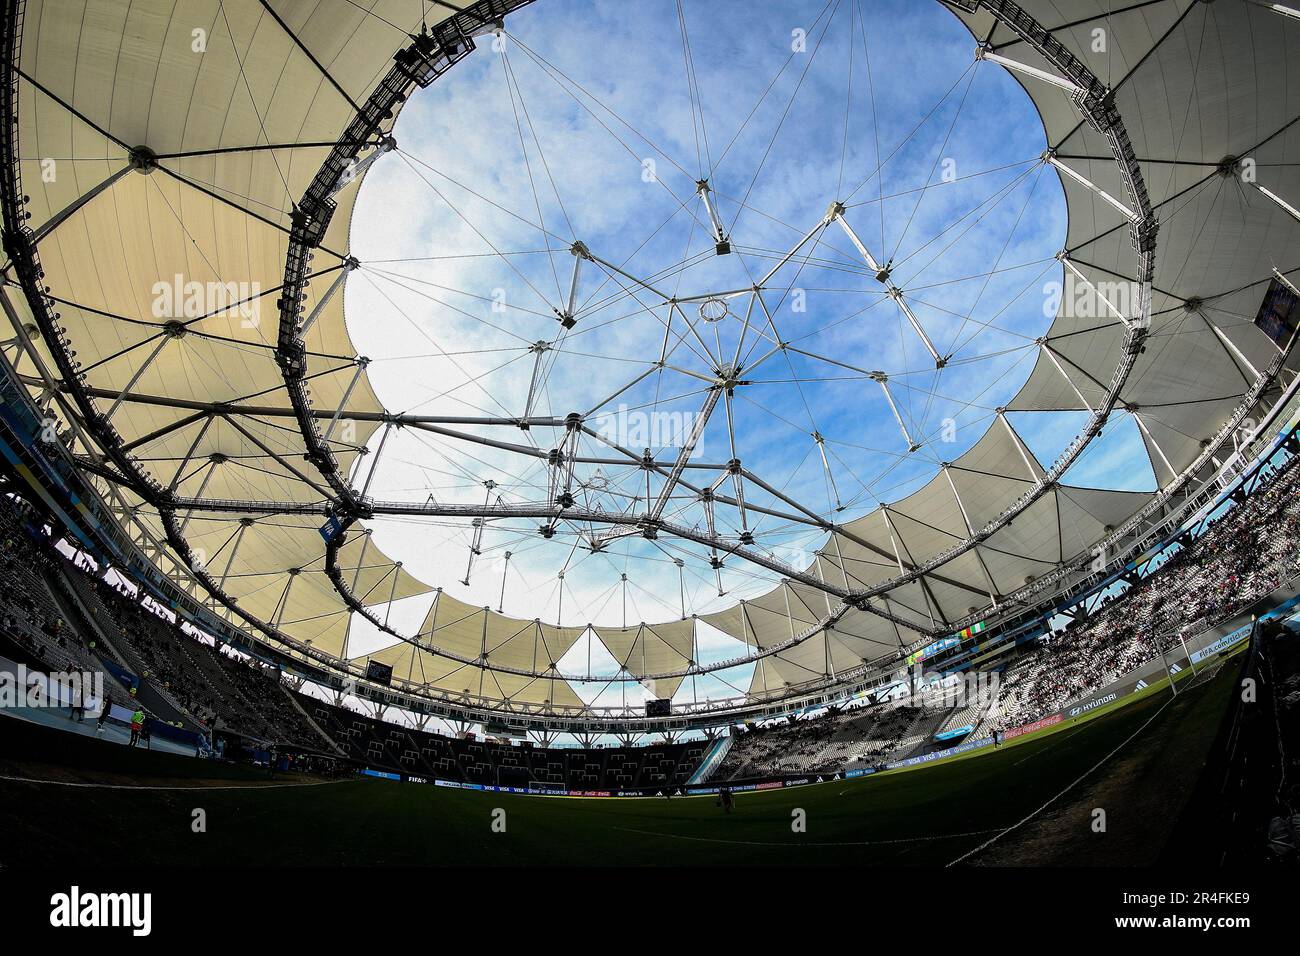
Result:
pixel 1020 446
pixel 357 168
pixel 64 214
pixel 566 316
pixel 1047 350
pixel 361 558
pixel 505 569
pixel 476 544
pixel 1064 257
pixel 1277 8
pixel 189 455
pixel 244 524
pixel 946 468
pixel 539 350
pixel 721 244
pixel 1142 426
pixel 562 461
pixel 361 363
pixel 374 464
pixel 170 331
pixel 1229 346
pixel 213 460
pixel 826 467
pixel 688 448
pixel 284 596
pixel 836 214
pixel 984 52
pixel 706 500
pixel 883 379
pixel 349 264
pixel 1050 158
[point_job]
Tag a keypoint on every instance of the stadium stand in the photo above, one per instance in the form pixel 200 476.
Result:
pixel 1241 556
pixel 58 614
pixel 66 619
pixel 831 742
pixel 209 683
pixel 385 746
pixel 31 617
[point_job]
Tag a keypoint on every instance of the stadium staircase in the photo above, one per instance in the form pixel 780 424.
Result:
pixel 311 722
pixel 918 738
pixel 712 760
pixel 959 716
pixel 988 710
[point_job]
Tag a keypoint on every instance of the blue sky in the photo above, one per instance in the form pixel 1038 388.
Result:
pixel 520 151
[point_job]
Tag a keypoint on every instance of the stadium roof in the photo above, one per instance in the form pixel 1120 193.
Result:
pixel 229 436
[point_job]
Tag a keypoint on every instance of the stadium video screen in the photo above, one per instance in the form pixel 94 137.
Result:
pixel 1279 314
pixel 379 673
pixel 659 708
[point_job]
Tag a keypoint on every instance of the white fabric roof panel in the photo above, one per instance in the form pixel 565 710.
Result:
pixel 651 648
pixel 255 566
pixel 1060 526
pixel 458 679
pixel 145 237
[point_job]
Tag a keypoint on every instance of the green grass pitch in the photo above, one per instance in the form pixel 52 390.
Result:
pixel 930 815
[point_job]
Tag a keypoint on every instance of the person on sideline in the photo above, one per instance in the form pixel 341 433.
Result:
pixel 137 725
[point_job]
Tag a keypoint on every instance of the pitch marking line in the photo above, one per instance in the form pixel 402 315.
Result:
pixel 695 839
pixel 1087 773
